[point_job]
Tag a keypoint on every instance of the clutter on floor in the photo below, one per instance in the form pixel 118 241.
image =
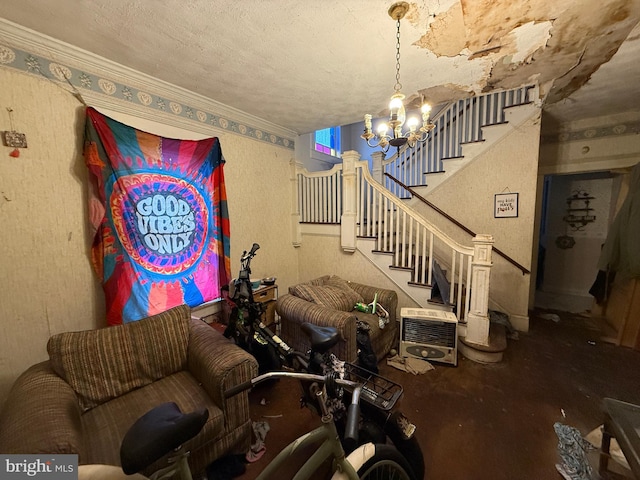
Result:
pixel 258 447
pixel 410 365
pixel 594 437
pixel 502 318
pixel 573 450
pixel 232 466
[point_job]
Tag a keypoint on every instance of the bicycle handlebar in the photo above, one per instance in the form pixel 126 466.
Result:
pixel 353 419
pixel 353 412
pixel 238 388
pixel 296 375
pixel 248 255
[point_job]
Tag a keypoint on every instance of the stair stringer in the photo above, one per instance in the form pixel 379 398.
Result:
pixel 491 134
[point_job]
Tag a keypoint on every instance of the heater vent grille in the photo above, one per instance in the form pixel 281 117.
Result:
pixel 431 332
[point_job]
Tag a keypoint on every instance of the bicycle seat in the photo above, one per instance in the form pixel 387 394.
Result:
pixel 322 338
pixel 158 432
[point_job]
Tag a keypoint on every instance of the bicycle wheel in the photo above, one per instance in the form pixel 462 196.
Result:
pixel 410 448
pixel 387 464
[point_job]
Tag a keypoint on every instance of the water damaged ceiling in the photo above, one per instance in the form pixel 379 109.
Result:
pixel 308 65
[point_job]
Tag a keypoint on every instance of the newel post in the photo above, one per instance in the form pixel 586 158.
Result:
pixel 377 170
pixel 348 230
pixel 296 235
pixel 478 316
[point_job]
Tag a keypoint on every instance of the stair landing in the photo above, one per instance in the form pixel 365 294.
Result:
pixel 491 353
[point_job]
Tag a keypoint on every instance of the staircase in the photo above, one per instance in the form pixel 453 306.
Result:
pixel 378 216
pixel 463 130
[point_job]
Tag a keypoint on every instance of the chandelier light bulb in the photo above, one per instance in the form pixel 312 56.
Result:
pixel 395 104
pixel 382 129
pixel 396 110
pixel 397 114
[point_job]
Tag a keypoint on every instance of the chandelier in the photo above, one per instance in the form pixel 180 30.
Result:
pixel 397 116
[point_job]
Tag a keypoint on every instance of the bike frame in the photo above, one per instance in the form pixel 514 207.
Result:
pixel 326 434
pixel 254 330
pixel 330 447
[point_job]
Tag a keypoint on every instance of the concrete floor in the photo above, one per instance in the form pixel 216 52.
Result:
pixel 492 422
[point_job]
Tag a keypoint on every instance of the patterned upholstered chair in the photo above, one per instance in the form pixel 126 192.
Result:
pixel 329 301
pixel 96 383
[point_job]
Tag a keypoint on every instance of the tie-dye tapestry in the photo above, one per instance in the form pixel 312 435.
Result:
pixel 160 213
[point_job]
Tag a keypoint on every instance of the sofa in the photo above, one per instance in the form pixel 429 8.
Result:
pixel 329 301
pixel 97 383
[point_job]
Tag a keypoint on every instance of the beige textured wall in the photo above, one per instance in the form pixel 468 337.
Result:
pixel 259 197
pixel 46 284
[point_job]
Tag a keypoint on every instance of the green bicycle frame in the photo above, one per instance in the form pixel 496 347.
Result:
pixel 330 447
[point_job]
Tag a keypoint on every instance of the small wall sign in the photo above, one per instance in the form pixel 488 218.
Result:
pixel 505 205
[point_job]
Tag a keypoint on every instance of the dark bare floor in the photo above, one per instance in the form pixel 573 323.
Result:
pixel 492 422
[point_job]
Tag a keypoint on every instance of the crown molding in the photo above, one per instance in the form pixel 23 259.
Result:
pixel 618 129
pixel 104 83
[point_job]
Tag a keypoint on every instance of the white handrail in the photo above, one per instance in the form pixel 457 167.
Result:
pixel 363 166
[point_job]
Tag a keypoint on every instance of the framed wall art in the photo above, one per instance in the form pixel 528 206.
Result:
pixel 505 205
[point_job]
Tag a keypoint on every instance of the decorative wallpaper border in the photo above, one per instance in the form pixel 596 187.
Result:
pixel 628 128
pixel 91 81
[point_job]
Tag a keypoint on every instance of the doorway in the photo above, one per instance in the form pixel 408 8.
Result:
pixel 576 213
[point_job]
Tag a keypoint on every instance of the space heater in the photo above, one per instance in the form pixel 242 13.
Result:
pixel 429 334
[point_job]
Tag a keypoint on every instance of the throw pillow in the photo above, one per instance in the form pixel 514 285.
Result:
pixel 108 362
pixel 342 284
pixel 328 296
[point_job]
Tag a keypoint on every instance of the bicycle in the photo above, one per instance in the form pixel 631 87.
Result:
pixel 166 428
pixel 379 421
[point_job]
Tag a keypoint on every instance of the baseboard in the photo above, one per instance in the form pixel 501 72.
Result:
pixel 520 322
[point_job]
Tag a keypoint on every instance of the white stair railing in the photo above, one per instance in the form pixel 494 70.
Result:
pixel 412 242
pixel 320 195
pixel 459 123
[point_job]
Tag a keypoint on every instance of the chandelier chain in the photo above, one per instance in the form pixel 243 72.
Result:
pixel 414 133
pixel 398 86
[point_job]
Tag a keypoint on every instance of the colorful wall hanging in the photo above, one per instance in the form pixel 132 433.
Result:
pixel 159 209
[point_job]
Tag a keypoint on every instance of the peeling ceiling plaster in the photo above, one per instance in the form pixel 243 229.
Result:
pixel 315 64
pixel 529 38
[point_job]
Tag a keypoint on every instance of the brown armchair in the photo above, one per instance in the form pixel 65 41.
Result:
pixel 329 301
pixel 96 383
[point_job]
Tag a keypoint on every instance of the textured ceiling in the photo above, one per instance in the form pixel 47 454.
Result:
pixel 308 65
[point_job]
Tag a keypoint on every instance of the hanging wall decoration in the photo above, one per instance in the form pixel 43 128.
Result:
pixel 505 205
pixel 160 213
pixel 579 212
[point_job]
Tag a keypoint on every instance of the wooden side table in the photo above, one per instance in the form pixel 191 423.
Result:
pixel 622 421
pixel 267 295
